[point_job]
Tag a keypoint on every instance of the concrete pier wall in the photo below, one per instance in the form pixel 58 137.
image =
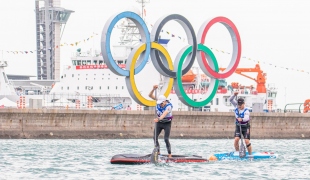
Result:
pixel 63 124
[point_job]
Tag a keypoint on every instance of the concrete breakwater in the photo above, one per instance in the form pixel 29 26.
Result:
pixel 64 124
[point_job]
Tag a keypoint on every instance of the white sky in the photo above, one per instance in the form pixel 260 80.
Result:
pixel 275 32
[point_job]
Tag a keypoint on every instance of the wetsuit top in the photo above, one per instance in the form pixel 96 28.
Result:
pixel 244 114
pixel 160 110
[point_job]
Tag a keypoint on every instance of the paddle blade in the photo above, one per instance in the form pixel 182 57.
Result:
pixel 154 156
pixel 242 151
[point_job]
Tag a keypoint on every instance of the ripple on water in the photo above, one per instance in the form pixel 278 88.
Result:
pixel 90 159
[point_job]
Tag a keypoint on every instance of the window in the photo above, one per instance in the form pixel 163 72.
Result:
pixel 116 87
pixel 100 87
pixel 122 87
pixel 211 102
pixel 79 62
pixel 217 101
pixel 72 75
pixel 64 75
pixel 88 62
pixel 85 87
pixel 84 62
pixel 62 88
pixel 108 87
pixel 78 88
pixel 68 88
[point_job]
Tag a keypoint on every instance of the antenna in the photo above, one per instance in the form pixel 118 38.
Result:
pixel 142 5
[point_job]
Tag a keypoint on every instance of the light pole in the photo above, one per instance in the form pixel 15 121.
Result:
pixel 192 88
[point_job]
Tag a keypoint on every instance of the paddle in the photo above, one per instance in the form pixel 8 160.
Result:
pixel 154 155
pixel 242 151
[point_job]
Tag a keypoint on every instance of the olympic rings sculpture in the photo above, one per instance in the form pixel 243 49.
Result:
pixel 161 59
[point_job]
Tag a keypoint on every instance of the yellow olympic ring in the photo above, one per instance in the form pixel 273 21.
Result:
pixel 131 77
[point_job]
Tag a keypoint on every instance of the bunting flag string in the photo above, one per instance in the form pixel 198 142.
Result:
pixel 264 62
pixel 243 57
pixel 18 52
pixel 57 46
pixel 173 36
pixel 77 42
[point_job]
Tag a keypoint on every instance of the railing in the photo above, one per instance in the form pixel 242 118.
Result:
pixel 293 110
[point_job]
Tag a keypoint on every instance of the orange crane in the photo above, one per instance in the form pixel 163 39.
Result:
pixel 260 79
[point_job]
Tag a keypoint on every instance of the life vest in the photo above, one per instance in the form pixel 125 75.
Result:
pixel 160 110
pixel 239 114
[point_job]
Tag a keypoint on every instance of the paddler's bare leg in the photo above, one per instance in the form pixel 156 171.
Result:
pixel 248 145
pixel 236 143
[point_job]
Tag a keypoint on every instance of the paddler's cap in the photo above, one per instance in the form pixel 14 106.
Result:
pixel 240 101
pixel 161 99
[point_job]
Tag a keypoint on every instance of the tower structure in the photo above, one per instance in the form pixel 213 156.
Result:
pixel 50 22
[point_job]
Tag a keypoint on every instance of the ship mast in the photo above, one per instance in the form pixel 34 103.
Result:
pixel 142 6
pixel 130 35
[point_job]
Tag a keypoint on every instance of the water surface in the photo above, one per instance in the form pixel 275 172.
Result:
pixel 90 159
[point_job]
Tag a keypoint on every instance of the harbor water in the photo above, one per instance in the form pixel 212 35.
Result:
pixel 90 159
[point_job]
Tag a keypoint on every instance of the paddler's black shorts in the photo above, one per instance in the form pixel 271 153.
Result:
pixel 245 131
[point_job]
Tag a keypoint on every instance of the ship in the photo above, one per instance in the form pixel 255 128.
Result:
pixel 89 76
pixel 87 83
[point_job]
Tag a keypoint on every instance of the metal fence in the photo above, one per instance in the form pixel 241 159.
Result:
pixel 84 101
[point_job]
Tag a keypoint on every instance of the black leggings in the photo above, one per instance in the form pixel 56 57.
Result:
pixel 167 127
